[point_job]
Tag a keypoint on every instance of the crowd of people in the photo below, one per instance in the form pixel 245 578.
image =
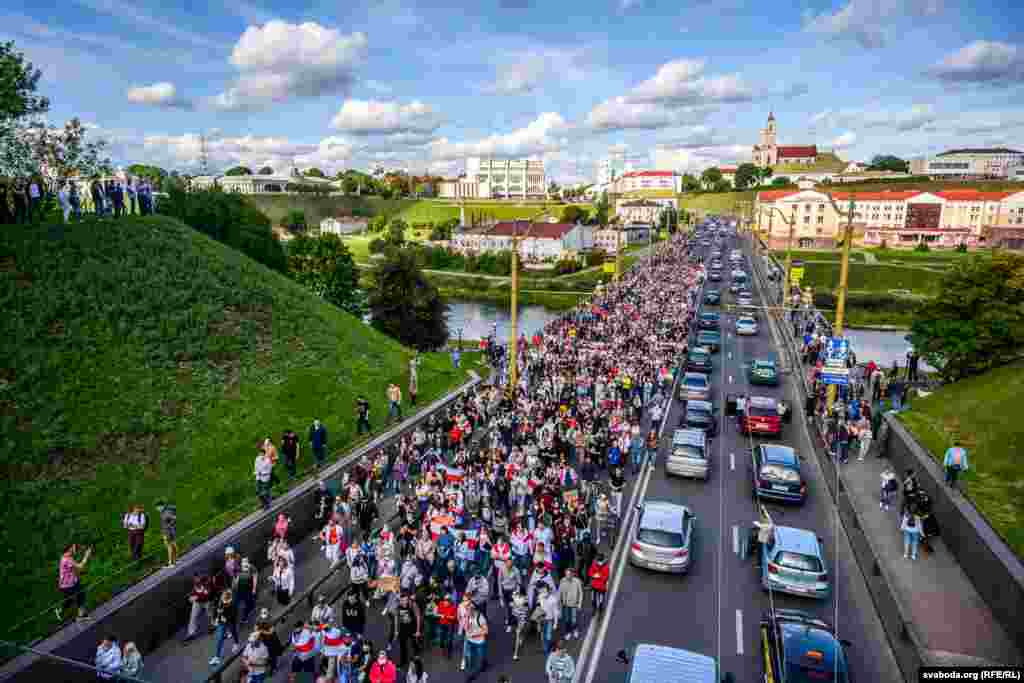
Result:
pixel 23 200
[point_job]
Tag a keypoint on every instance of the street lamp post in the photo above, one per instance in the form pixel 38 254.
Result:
pixel 513 347
pixel 844 273
pixel 791 222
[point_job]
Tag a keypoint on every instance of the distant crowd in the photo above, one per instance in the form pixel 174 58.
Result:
pixel 23 200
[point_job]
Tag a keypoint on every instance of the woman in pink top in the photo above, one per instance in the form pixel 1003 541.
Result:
pixel 69 581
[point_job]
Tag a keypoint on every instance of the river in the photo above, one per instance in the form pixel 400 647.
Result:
pixel 476 319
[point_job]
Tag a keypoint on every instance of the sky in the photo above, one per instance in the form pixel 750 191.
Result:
pixel 423 84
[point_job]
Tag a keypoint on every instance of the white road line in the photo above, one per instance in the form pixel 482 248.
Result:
pixel 739 631
pixel 732 461
pixel 729 355
pixel 730 379
pixel 736 539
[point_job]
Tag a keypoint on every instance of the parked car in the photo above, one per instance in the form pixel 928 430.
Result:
pixel 662 537
pixel 696 386
pixel 763 371
pixel 776 474
pixel 701 415
pixel 699 360
pixel 793 562
pixel 761 415
pixel 712 297
pixel 746 325
pixel 798 646
pixel 660 663
pixel 744 298
pixel 711 339
pixel 689 454
pixel 708 321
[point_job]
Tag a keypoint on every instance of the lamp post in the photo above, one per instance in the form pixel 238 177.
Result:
pixel 513 347
pixel 791 222
pixel 844 273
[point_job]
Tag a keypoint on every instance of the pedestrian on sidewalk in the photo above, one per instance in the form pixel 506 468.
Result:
pixel 476 634
pixel 226 622
pixel 417 672
pixel 362 415
pixel 70 581
pixel 200 597
pixel 169 530
pixel 888 488
pixel 570 596
pixel 598 575
pixel 305 644
pixel 283 580
pixel 910 490
pixel 108 658
pixel 864 435
pixel 290 450
pixel 136 522
pixel 318 442
pixel 394 394
pixel 131 661
pixel 263 470
pixel 256 658
pixel 383 669
pixel 246 584
pixel 911 529
pixel 954 462
pixel 332 537
pixel 560 667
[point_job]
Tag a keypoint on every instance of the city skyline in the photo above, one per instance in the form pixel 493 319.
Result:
pixel 421 86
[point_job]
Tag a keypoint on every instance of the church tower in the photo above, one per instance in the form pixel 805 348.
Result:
pixel 766 152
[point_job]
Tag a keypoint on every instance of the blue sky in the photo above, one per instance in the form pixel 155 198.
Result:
pixel 423 84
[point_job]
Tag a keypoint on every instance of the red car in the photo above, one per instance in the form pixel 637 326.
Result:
pixel 760 415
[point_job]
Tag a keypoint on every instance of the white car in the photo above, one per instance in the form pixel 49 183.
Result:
pixel 746 325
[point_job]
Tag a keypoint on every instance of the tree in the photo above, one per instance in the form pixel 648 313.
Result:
pixel 63 153
pixel 710 177
pixel 396 232
pixel 780 182
pixel 238 170
pixel 721 185
pixel 325 266
pixel 746 176
pixel 668 220
pixel 690 183
pixel 349 185
pixel 601 209
pixel 266 170
pixel 976 322
pixel 295 220
pixel 405 305
pixel 572 214
pixel 18 82
pixel 153 174
pixel 553 189
pixel 887 162
pixel 314 173
pixel 765 173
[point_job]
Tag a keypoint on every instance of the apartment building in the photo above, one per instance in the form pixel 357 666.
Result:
pixel 972 163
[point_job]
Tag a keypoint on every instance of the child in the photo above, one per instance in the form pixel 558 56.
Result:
pixel 889 486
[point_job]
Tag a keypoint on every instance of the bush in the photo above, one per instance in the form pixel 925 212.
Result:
pixel 567 266
pixel 870 302
pixel 962 248
pixel 596 257
pixel 922 247
pixel 377 246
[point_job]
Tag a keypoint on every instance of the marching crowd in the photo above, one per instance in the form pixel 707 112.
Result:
pixel 507 504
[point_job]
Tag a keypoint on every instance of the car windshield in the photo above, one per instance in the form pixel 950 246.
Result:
pixel 698 412
pixel 762 411
pixel 695 382
pixel 660 537
pixel 780 473
pixel 688 452
pixel 798 561
pixel 759 365
pixel 698 356
pixel 746 321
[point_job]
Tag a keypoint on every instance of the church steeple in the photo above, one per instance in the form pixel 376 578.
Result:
pixel 771 116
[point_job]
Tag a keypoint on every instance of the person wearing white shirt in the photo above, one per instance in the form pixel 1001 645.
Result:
pixel 283 579
pixel 108 658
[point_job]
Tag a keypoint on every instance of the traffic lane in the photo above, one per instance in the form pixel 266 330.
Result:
pixel 850 608
pixel 666 609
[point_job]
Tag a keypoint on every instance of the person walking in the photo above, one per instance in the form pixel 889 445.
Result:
pixel 954 462
pixel 131 661
pixel 447 616
pixel 570 597
pixel 353 612
pixel 264 470
pixel 362 415
pixel 476 633
pixel 136 522
pixel 547 609
pixel 383 669
pixel 864 435
pixel 169 530
pixel 407 628
pixel 414 380
pixel 911 529
pixel 200 597
pixel 70 581
pixel 246 584
pixel 598 575
pixel 108 658
pixel 283 580
pixel 417 672
pixel 290 450
pixel 318 442
pixel 560 667
pixel 888 488
pixel 225 621
pixel 305 643
pixel 652 445
pixel 394 402
pixel 256 658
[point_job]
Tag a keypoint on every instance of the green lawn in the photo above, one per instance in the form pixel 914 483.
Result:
pixel 819 255
pixel 874 278
pixel 935 257
pixel 985 412
pixel 143 360
pixel 716 202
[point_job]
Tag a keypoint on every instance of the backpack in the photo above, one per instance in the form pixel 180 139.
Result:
pixel 614 456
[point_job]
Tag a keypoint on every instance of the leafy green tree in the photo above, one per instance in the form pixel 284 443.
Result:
pixel 295 220
pixel 572 214
pixel 721 185
pixel 153 174
pixel 553 189
pixel 765 174
pixel 887 162
pixel 976 322
pixel 405 305
pixel 266 170
pixel 690 183
pixel 601 209
pixel 710 177
pixel 668 220
pixel 396 232
pixel 18 82
pixel 746 176
pixel 314 173
pixel 238 170
pixel 349 184
pixel 325 266
pixel 780 182
pixel 64 152
pixel 377 224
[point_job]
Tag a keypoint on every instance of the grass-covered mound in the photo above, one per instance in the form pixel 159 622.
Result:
pixel 140 360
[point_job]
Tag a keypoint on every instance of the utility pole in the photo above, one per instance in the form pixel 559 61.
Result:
pixel 844 273
pixel 618 253
pixel 513 347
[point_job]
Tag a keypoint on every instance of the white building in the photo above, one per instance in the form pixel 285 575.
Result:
pixel 462 188
pixel 613 166
pixel 258 184
pixel 996 162
pixel 509 178
pixel 538 241
pixel 611 238
pixel 636 181
pixel 638 210
pixel 342 226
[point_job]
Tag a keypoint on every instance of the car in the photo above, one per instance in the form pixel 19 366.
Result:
pixel 712 297
pixel 710 339
pixel 793 562
pixel 746 325
pixel 744 298
pixel 761 415
pixel 716 263
pixel 763 371
pixel 696 386
pixel 689 454
pixel 734 287
pixel 708 321
pixel 662 537
pixel 659 663
pixel 777 475
pixel 717 253
pixel 715 276
pixel 698 359
pixel 701 415
pixel 796 646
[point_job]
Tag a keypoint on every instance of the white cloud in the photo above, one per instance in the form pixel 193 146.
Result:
pixel 694 137
pixel 523 71
pixel 919 116
pixel 698 159
pixel 845 140
pixel 279 61
pixel 622 113
pixel 682 82
pixel 161 94
pixel 982 61
pixel 546 133
pixel 372 117
pixel 867 22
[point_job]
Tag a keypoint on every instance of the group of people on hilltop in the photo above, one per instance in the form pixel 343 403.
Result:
pixel 23 200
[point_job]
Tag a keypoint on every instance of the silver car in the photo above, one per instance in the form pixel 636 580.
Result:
pixel 696 386
pixel 746 325
pixel 662 537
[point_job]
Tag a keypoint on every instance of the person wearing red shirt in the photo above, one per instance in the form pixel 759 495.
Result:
pixel 383 670
pixel 447 615
pixel 598 576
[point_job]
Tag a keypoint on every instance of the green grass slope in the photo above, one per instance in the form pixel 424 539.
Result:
pixel 141 359
pixel 827 162
pixel 872 278
pixel 984 411
pixel 715 202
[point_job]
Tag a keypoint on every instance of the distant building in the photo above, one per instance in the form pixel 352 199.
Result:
pixel 637 181
pixel 768 153
pixel 259 184
pixel 610 239
pixel 638 210
pixel 497 179
pixel 729 173
pixel 972 163
pixel 539 241
pixel 342 225
pixel 611 167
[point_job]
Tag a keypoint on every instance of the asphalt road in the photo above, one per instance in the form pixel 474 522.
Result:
pixel 716 608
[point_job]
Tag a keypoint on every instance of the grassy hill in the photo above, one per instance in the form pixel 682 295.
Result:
pixel 141 359
pixel 827 162
pixel 983 410
pixel 715 202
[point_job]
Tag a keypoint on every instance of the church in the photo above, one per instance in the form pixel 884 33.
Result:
pixel 769 154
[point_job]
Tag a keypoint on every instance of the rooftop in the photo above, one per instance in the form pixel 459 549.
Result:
pixel 980 150
pixel 540 230
pixel 798 151
pixel 649 174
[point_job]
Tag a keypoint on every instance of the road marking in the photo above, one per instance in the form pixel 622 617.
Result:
pixel 732 461
pixel 739 631
pixel 729 355
pixel 730 379
pixel 736 539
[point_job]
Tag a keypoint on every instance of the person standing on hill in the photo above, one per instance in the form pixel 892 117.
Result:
pixel 169 530
pixel 318 442
pixel 362 415
pixel 290 449
pixel 394 402
pixel 414 380
pixel 264 469
pixel 70 581
pixel 135 521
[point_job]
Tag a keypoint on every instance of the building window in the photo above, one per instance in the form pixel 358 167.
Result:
pixel 821 219
pixel 807 207
pixel 807 219
pixel 821 207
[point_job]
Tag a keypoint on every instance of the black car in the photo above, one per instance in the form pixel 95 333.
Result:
pixel 796 646
pixel 699 360
pixel 708 321
pixel 701 415
pixel 713 297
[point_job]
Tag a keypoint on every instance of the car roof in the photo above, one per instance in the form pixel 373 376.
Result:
pixel 709 314
pixel 691 437
pixel 708 332
pixel 659 663
pixel 764 361
pixel 746 318
pixel 663 516
pixel 780 455
pixel 793 540
pixel 799 639
pixel 700 349
pixel 691 375
pixel 700 405
pixel 761 402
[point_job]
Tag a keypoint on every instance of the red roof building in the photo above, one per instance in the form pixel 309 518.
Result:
pixel 552 231
pixel 798 152
pixel 649 174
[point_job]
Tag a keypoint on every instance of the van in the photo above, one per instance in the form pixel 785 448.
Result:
pixel 663 664
pixel 688 456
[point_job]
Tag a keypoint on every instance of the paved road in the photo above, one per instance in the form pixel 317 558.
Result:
pixel 716 608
